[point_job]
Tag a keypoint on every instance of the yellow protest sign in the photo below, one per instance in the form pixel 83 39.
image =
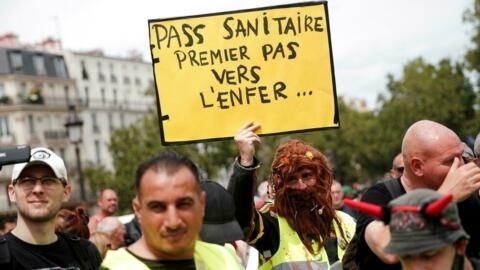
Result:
pixel 215 72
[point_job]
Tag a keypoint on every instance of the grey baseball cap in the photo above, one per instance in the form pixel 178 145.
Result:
pixel 413 232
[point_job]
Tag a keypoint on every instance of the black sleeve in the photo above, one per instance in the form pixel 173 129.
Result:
pixel 94 254
pixel 260 229
pixel 467 211
pixel 242 188
pixel 377 194
pixel 265 238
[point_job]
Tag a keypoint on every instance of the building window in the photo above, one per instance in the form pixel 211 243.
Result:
pixel 59 66
pixel 87 96
pixel 102 93
pixel 138 82
pixel 31 124
pixel 4 131
pixel 39 65
pixel 23 90
pixel 110 122
pixel 113 77
pixel 98 151
pixel 84 71
pixel 16 62
pixel 67 94
pixel 114 96
pixel 4 99
pixel 122 120
pixel 126 80
pixel 101 76
pixel 95 127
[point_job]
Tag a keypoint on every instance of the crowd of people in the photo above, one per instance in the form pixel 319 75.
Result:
pixel 420 215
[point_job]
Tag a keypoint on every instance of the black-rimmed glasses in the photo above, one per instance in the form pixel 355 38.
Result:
pixel 46 182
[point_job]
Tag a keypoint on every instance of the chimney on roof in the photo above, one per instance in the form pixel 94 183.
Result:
pixel 94 52
pixel 50 44
pixel 9 40
pixel 134 55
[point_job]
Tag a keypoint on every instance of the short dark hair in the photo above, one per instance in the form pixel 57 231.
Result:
pixel 170 162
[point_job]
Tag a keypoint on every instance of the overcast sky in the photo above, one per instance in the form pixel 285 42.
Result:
pixel 370 38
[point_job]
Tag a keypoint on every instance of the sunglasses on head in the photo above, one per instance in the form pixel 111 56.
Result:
pixel 468 159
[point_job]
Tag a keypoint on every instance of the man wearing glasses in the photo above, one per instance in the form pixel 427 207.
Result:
pixel 39 187
pixel 397 166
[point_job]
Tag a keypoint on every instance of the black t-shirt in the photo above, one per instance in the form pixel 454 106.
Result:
pixel 377 194
pixel 170 265
pixel 57 255
pixel 468 211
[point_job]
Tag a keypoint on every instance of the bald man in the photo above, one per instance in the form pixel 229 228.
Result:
pixel 107 204
pixel 432 156
pixel 397 166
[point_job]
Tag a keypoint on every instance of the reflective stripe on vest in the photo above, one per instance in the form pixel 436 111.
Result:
pixel 207 257
pixel 292 254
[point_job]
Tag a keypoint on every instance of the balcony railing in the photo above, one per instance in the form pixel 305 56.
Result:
pixel 55 134
pixel 128 105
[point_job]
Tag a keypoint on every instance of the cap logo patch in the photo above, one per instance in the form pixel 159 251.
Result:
pixel 39 155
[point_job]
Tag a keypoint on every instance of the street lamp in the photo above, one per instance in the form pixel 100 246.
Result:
pixel 74 130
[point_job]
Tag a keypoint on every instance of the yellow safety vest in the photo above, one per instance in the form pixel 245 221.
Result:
pixel 292 254
pixel 207 257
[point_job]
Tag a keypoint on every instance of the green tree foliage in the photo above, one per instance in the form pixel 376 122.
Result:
pixel 98 177
pixel 472 57
pixel 439 92
pixel 350 148
pixel 129 146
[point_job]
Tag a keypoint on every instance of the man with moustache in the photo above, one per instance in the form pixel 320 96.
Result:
pixel 170 207
pixel 301 229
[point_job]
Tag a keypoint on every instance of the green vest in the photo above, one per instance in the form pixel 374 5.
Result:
pixel 292 254
pixel 207 257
